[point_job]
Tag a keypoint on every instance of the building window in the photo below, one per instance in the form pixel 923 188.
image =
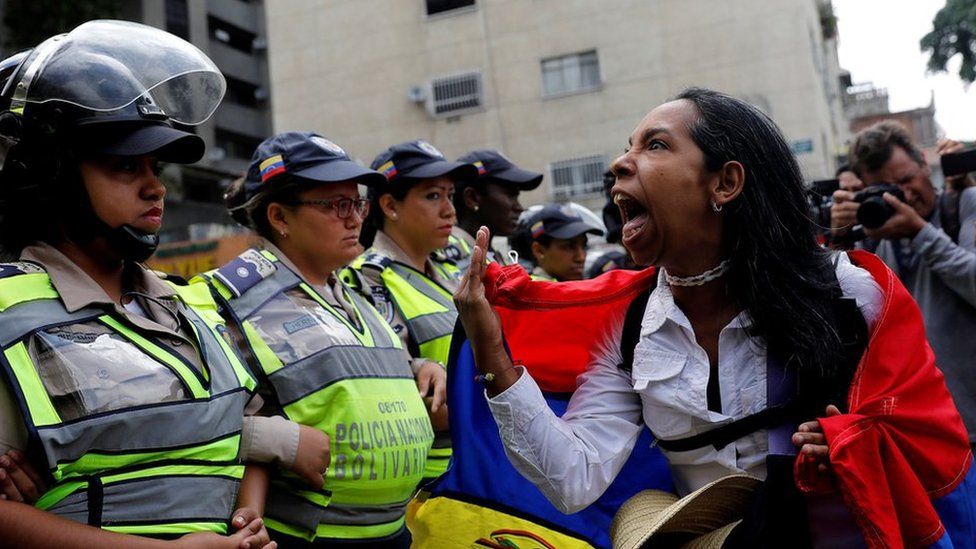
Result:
pixel 568 74
pixel 243 93
pixel 440 6
pixel 232 35
pixel 452 95
pixel 235 145
pixel 578 177
pixel 177 18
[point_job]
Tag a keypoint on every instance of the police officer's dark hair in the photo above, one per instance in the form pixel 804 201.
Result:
pixel 375 220
pixel 283 189
pixel 779 274
pixel 873 146
pixel 480 186
pixel 41 188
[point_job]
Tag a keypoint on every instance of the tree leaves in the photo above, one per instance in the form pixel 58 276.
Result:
pixel 953 33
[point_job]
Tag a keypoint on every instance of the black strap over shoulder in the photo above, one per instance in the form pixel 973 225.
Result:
pixel 632 326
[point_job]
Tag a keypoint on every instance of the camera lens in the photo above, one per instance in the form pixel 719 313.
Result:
pixel 874 212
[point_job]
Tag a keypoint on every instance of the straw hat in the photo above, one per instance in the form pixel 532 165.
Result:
pixel 702 520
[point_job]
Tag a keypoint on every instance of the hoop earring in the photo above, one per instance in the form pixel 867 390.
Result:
pixel 716 207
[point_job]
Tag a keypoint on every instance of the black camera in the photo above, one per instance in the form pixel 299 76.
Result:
pixel 874 211
pixel 819 199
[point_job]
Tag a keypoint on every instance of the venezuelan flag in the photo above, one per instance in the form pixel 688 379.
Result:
pixel 537 229
pixel 271 167
pixel 482 500
pixel 480 165
pixel 388 170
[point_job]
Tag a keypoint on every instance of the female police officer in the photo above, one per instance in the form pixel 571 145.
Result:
pixel 412 215
pixel 118 384
pixel 326 356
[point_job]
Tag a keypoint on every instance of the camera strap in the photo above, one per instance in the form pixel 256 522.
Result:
pixel 949 202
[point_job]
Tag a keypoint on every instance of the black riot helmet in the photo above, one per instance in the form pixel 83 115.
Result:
pixel 106 88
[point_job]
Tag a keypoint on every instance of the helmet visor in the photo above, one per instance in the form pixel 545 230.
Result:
pixel 104 66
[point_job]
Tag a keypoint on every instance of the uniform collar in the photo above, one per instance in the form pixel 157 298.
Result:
pixel 385 246
pixel 78 290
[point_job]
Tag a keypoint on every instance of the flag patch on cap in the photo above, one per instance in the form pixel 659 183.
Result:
pixel 271 167
pixel 480 165
pixel 538 228
pixel 388 170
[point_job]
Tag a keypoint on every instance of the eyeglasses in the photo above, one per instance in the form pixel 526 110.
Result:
pixel 342 206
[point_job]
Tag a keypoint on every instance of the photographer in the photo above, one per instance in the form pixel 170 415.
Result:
pixel 929 246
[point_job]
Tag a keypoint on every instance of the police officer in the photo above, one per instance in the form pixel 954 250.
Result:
pixel 412 215
pixel 558 243
pixel 490 200
pixel 133 399
pixel 326 357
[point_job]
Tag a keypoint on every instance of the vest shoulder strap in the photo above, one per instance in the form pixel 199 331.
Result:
pixel 18 268
pixel 245 272
pixel 24 281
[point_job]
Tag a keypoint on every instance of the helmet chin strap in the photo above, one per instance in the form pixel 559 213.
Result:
pixel 129 242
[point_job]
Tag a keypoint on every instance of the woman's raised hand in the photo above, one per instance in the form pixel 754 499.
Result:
pixel 481 322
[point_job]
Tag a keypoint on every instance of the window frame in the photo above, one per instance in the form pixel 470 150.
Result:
pixel 578 189
pixel 546 94
pixel 431 102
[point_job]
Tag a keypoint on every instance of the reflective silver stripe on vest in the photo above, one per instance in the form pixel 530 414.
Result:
pixel 425 328
pixel 255 297
pixel 431 326
pixel 223 377
pixel 333 364
pixel 23 318
pixel 187 423
pixel 159 500
pixel 73 507
pixel 290 508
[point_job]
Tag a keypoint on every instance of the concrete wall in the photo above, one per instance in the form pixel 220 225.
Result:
pixel 344 68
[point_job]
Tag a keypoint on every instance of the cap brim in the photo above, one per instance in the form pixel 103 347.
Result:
pixel 454 170
pixel 165 143
pixel 574 229
pixel 342 170
pixel 523 179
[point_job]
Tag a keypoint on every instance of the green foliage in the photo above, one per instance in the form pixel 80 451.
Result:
pixel 29 22
pixel 953 32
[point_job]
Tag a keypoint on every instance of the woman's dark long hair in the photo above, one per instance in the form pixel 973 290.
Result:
pixel 779 274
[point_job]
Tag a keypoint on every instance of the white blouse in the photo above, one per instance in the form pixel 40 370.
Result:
pixel 574 458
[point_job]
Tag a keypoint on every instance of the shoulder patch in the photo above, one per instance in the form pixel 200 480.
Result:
pixel 377 261
pixel 452 252
pixel 19 268
pixel 245 271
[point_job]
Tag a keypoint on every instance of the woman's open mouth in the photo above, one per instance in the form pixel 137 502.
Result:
pixel 633 214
